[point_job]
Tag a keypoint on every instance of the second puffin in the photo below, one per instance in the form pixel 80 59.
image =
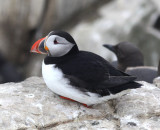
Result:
pixel 79 75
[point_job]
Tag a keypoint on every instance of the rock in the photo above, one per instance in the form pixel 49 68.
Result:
pixel 31 105
pixel 139 109
pixel 156 82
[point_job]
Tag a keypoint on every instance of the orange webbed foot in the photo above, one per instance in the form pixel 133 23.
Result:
pixel 74 101
pixel 67 98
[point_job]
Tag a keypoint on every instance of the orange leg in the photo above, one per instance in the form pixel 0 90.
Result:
pixel 74 101
pixel 86 105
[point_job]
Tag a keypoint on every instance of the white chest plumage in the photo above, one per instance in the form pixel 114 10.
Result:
pixel 56 82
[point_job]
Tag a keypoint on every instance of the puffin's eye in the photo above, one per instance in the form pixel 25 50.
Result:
pixel 55 41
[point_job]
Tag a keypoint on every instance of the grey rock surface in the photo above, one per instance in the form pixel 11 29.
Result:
pixel 156 82
pixel 31 105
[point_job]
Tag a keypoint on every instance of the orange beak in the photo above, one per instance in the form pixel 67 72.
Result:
pixel 39 46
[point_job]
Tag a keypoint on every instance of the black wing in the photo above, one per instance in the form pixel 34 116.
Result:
pixel 90 67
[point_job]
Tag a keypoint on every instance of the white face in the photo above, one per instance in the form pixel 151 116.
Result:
pixel 58 46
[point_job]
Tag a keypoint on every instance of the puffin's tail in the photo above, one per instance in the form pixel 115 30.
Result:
pixel 130 85
pixel 121 90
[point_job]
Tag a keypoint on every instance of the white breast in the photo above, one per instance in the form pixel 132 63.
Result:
pixel 56 82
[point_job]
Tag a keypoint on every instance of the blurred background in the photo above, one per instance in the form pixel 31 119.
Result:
pixel 91 23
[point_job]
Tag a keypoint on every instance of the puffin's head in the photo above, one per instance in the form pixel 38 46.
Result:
pixel 55 44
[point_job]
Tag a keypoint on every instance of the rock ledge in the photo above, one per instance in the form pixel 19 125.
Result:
pixel 31 105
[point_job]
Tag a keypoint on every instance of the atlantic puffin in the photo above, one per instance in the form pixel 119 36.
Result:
pixel 79 76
